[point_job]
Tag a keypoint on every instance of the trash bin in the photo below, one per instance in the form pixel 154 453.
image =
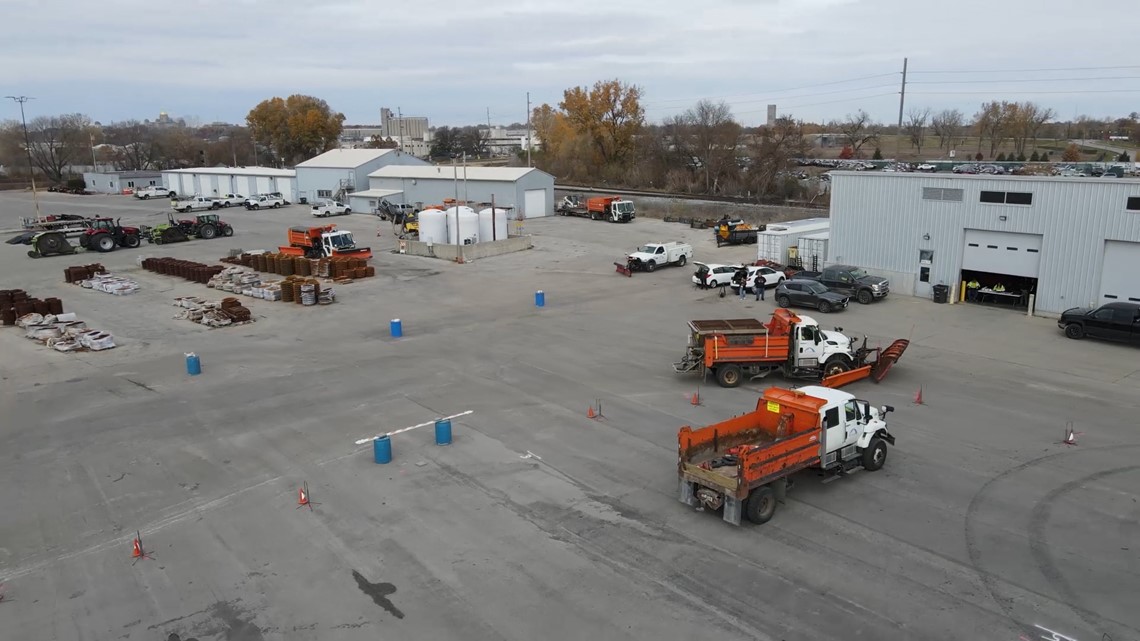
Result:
pixel 304 200
pixel 941 293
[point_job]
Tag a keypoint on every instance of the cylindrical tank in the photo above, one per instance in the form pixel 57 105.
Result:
pixel 462 227
pixel 492 224
pixel 433 226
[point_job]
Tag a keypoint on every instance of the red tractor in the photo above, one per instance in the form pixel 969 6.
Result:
pixel 105 234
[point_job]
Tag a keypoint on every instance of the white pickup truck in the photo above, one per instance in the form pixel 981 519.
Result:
pixel 265 201
pixel 650 257
pixel 194 203
pixel 153 191
pixel 231 200
pixel 331 208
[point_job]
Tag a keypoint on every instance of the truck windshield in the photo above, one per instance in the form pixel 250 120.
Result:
pixel 341 240
pixel 857 273
pixel 623 207
pixel 647 249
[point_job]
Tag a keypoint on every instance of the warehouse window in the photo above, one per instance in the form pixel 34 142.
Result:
pixel 1006 197
pixel 938 193
pixel 1134 203
pixel 324 193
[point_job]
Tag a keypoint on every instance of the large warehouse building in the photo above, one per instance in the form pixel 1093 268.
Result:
pixel 243 181
pixel 1069 241
pixel 525 190
pixel 338 172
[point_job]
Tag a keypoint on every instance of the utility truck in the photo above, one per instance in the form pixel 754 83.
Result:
pixel 611 208
pixel 194 203
pixel 742 466
pixel 330 208
pixel 650 257
pixel 788 343
pixel 154 191
pixel 264 201
pixel 323 242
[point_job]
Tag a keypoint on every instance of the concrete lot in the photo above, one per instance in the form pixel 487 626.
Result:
pixel 536 523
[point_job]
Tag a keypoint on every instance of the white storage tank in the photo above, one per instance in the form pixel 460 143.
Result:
pixel 772 244
pixel 433 226
pixel 492 224
pixel 813 250
pixel 462 227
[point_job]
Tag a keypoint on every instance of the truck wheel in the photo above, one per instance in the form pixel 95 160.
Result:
pixel 837 365
pixel 682 260
pixel 865 297
pixel 875 456
pixel 783 301
pixel 347 211
pixel 146 196
pixel 650 265
pixel 728 375
pixel 761 505
pixel 1074 331
pixel 824 307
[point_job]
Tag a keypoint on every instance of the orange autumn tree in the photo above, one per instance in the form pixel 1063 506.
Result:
pixel 295 128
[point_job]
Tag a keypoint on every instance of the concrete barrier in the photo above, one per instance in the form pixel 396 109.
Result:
pixel 470 252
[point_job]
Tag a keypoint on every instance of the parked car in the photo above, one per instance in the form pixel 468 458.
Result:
pixel 279 196
pixel 331 208
pixel 809 293
pixel 713 274
pixel 926 167
pixel 851 281
pixel 767 276
pixel 1118 321
pixel 154 191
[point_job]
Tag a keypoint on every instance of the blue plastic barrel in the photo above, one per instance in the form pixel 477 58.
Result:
pixel 193 364
pixel 382 449
pixel 540 298
pixel 443 431
pixel 396 328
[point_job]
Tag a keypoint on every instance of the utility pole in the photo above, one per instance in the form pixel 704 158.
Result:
pixel 28 149
pixel 400 118
pixel 94 163
pixel 902 100
pixel 488 121
pixel 528 143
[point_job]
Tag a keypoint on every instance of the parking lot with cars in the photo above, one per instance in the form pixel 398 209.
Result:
pixel 537 521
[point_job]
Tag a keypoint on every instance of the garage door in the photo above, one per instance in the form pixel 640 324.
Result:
pixel 206 186
pixel 999 252
pixel 241 186
pixel 264 185
pixel 534 205
pixel 1118 279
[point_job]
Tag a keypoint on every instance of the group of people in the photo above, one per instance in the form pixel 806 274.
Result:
pixel 973 286
pixel 740 279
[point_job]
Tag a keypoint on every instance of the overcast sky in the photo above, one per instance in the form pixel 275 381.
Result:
pixel 452 60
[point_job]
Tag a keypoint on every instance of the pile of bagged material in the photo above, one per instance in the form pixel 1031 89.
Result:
pixel 292 289
pixel 229 311
pixel 64 333
pixel 110 284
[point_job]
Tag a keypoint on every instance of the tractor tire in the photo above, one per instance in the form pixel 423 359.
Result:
pixel 227 231
pixel 682 260
pixel 1074 331
pixel 102 243
pixel 760 506
pixel 83 241
pixel 783 301
pixel 836 365
pixel 130 241
pixel 824 307
pixel 207 231
pixel 875 455
pixel 865 297
pixel 728 375
pixel 51 244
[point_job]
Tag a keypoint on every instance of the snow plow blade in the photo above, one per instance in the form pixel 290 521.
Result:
pixel 887 358
pixel 839 380
pixel 623 268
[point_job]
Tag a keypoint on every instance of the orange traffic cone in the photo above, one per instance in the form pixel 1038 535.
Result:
pixel 1070 436
pixel 696 400
pixel 302 497
pixel 590 413
pixel 137 552
pixel 918 397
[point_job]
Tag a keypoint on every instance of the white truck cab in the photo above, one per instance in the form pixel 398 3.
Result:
pixel 852 429
pixel 650 257
pixel 816 347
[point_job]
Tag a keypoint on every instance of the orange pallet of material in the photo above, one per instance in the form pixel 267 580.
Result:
pixel 794 345
pixel 323 242
pixel 743 464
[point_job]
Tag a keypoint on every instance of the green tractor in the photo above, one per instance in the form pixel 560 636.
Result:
pixel 205 226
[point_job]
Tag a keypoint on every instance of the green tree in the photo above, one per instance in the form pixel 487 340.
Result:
pixel 297 127
pixel 1020 157
pixel 1123 157
pixel 1000 157
pixel 878 155
pixel 1034 157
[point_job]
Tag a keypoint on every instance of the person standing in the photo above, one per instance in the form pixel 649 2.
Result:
pixel 760 286
pixel 741 279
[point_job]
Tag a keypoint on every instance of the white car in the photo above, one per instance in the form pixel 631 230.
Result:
pixel 926 167
pixel 713 274
pixel 331 208
pixel 766 275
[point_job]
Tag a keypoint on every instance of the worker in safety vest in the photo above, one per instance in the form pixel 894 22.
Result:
pixel 999 288
pixel 972 289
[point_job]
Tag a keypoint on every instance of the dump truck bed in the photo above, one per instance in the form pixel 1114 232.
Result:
pixel 782 436
pixel 736 326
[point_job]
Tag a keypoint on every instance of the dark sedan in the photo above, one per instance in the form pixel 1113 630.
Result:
pixel 1111 321
pixel 809 293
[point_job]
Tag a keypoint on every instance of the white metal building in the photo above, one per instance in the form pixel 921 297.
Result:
pixel 341 171
pixel 526 190
pixel 114 182
pixel 777 239
pixel 244 181
pixel 1070 241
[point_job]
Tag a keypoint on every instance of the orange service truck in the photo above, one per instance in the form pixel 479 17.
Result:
pixel 742 465
pixel 325 241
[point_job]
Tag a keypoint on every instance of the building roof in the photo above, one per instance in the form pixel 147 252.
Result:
pixel 375 193
pixel 500 174
pixel 272 172
pixel 344 158
pixel 917 175
pixel 792 226
pixel 145 173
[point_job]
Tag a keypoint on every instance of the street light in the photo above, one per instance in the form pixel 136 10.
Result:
pixel 28 149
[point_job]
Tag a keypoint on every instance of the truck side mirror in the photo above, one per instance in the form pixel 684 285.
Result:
pixel 887 408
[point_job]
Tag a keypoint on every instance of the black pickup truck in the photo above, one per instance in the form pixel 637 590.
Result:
pixel 851 281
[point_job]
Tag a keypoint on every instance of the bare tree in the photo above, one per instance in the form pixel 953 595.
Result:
pixel 1036 119
pixel 776 149
pixel 135 145
pixel 710 135
pixel 947 125
pixel 990 122
pixel 858 130
pixel 915 126
pixel 56 142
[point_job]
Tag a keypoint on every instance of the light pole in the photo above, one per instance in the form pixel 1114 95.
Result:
pixel 28 149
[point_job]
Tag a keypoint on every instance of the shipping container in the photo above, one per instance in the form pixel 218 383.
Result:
pixel 773 243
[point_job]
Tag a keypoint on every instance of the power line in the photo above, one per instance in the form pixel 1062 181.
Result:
pixel 813 86
pixel 806 95
pixel 1030 70
pixel 990 93
pixel 971 82
pixel 826 102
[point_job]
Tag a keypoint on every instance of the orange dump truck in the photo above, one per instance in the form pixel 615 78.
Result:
pixel 323 242
pixel 611 208
pixel 742 465
pixel 789 343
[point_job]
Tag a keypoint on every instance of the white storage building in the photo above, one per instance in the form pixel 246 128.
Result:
pixel 336 173
pixel 243 181
pixel 1070 241
pixel 114 182
pixel 525 190
pixel 777 239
